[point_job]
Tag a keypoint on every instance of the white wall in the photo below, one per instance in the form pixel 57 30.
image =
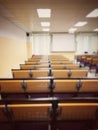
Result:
pixel 68 44
pixel 86 42
pixel 41 44
pixel 63 42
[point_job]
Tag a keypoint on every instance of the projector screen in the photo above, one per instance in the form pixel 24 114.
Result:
pixel 63 42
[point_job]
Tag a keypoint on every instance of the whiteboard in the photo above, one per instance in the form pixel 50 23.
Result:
pixel 63 42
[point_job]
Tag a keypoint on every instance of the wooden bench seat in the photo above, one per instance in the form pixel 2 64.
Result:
pixel 11 86
pixel 70 73
pixel 67 66
pixel 89 86
pixel 95 61
pixel 37 86
pixel 78 111
pixel 27 66
pixel 27 87
pixel 40 112
pixel 61 62
pixel 75 85
pixel 29 73
pixel 65 86
pixel 36 63
pixel 31 62
pixel 24 86
pixel 30 112
pixel 49 109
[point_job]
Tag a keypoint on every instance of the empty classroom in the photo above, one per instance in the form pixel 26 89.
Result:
pixel 48 64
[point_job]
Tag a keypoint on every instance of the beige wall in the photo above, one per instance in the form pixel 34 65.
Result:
pixel 12 53
pixel 69 55
pixel 29 49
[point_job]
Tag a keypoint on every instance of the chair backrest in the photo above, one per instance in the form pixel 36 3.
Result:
pixel 31 62
pixel 73 85
pixel 67 66
pixel 89 86
pixel 8 86
pixel 73 66
pixel 40 73
pixel 79 73
pixel 64 86
pixel 83 57
pixel 88 59
pixel 30 112
pixel 30 73
pixel 70 73
pixel 60 73
pixel 34 60
pixel 37 86
pixel 15 88
pixel 11 86
pixel 61 62
pixel 27 66
pixel 41 66
pixel 59 66
pixel 21 73
pixel 42 62
pixel 78 111
pixel 95 61
pixel 66 62
pixel 36 63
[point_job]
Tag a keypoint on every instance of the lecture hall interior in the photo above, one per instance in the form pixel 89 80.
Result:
pixel 49 64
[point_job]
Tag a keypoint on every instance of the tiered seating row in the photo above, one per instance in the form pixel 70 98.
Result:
pixel 76 73
pixel 47 66
pixel 49 109
pixel 39 92
pixel 49 87
pixel 88 60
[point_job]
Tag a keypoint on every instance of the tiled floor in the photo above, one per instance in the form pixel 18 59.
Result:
pixel 92 74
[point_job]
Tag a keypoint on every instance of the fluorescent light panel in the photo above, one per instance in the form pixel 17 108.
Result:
pixel 96 30
pixel 93 14
pixel 44 13
pixel 45 24
pixel 72 30
pixel 80 24
pixel 46 29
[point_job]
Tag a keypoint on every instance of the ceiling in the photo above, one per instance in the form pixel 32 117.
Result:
pixel 65 14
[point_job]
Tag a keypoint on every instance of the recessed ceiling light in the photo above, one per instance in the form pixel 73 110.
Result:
pixel 96 30
pixel 46 29
pixel 45 24
pixel 93 14
pixel 44 13
pixel 82 23
pixel 72 30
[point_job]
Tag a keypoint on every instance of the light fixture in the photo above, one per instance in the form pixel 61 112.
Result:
pixel 72 30
pixel 80 24
pixel 93 14
pixel 45 24
pixel 96 30
pixel 44 13
pixel 46 29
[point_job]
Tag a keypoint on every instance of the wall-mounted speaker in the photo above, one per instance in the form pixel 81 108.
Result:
pixel 27 34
